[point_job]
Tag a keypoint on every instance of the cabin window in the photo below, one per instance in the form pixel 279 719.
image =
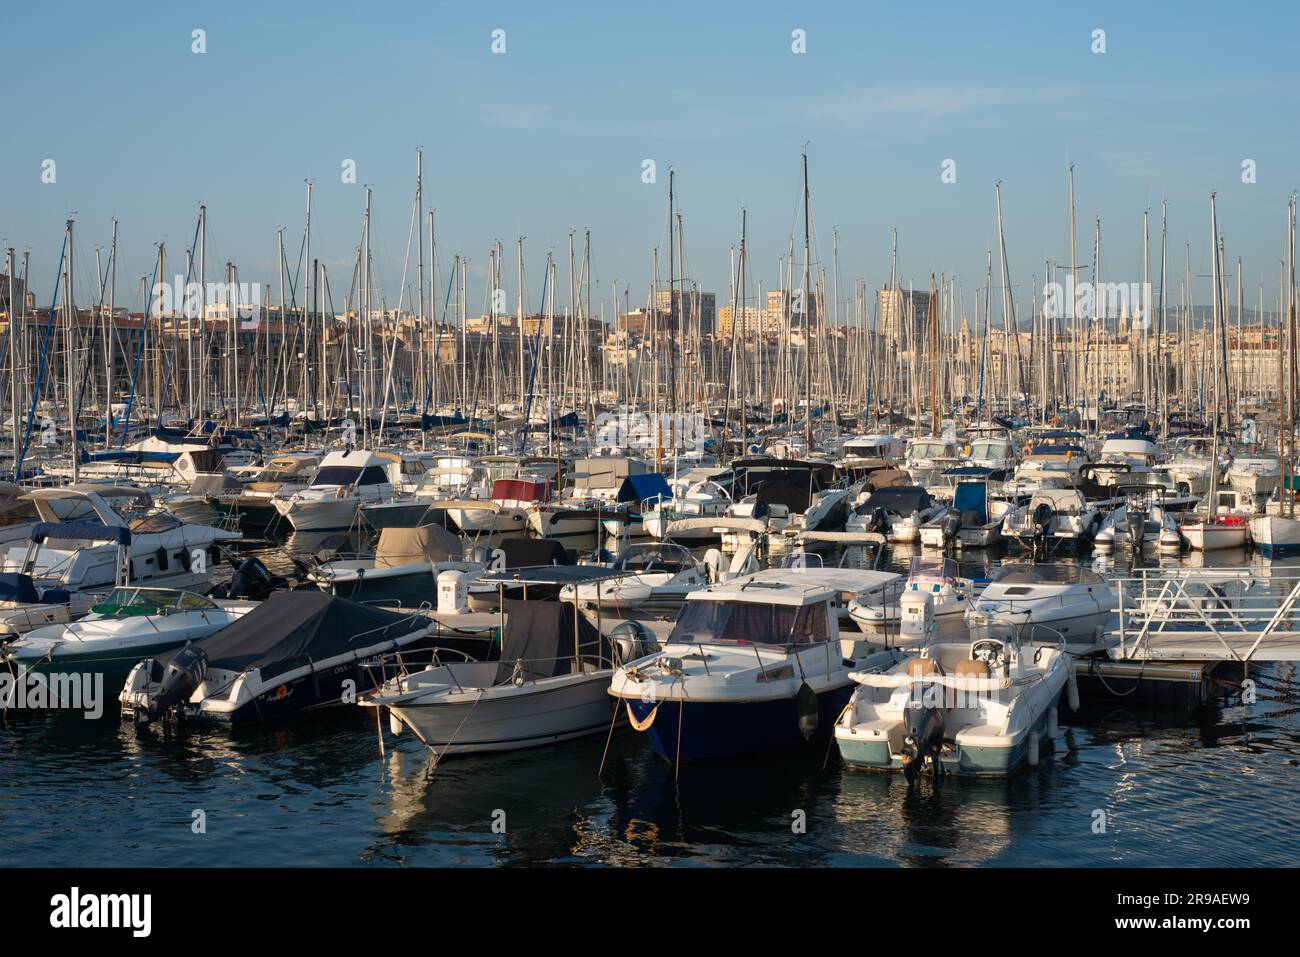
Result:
pixel 336 475
pixel 734 621
pixel 373 475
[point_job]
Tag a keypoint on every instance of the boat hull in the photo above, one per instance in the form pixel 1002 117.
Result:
pixel 526 718
pixel 696 730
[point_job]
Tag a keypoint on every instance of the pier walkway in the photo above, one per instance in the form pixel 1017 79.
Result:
pixel 1208 615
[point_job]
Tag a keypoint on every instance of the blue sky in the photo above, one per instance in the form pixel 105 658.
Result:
pixel 551 135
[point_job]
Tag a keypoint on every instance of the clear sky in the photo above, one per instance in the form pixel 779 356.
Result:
pixel 550 136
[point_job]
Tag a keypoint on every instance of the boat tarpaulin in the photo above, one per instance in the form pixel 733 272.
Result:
pixel 531 552
pixel 546 638
pixel 645 487
pixel 295 628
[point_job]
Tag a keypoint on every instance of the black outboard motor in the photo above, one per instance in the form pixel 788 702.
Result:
pixel 1042 517
pixel 951 526
pixel 180 677
pixel 879 520
pixel 251 580
pixel 924 739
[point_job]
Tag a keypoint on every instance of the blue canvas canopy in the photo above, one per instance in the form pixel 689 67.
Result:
pixel 15 586
pixel 87 530
pixel 972 497
pixel 639 488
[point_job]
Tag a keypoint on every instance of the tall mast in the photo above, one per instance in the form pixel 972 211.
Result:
pixel 807 329
pixel 71 309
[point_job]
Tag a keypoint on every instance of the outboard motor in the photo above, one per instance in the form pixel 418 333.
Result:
pixel 879 520
pixel 253 580
pixel 182 674
pixel 951 526
pixel 632 641
pixel 924 739
pixel 1137 523
pixel 1042 517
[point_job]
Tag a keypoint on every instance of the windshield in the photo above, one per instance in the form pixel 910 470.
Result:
pixel 336 475
pixel 750 623
pixel 136 601
pixel 1044 574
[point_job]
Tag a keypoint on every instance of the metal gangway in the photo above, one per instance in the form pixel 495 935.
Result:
pixel 1208 615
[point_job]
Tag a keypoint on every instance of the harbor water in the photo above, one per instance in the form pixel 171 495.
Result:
pixel 1128 783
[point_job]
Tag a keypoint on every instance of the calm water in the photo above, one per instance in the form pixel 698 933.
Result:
pixel 1217 786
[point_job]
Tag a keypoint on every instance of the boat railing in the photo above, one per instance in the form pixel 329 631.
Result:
pixel 1212 614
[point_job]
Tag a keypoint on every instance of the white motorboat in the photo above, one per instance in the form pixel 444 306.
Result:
pixel 982 707
pixel 92 538
pixel 879 611
pixel 648 577
pixel 127 624
pixel 1046 602
pixel 897 512
pixel 753 664
pixel 705 499
pixel 344 482
pixel 551 684
pixel 1256 476
pixel 505 512
pixel 1055 515
pixel 403 571
pixel 1141 521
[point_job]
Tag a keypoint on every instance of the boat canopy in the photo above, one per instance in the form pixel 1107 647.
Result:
pixel 971 499
pixel 752 621
pixel 654 556
pixel 292 629
pixel 543 639
pixel 77 531
pixel 534 552
pixel 521 490
pixel 413 546
pixel 645 487
pixel 898 499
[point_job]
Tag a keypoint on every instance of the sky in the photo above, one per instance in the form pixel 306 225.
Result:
pixel 551 136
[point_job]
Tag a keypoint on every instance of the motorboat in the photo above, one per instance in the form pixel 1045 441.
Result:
pixel 92 538
pixel 505 512
pixel 880 612
pixel 897 512
pixel 1052 516
pixel 551 684
pixel 251 507
pixel 928 456
pixel 403 571
pixel 649 577
pixel 297 650
pixel 1046 602
pixel 1125 458
pixel 751 665
pixel 1228 525
pixel 1140 521
pixel 1257 475
pixel 345 481
pixel 126 624
pixel 1055 459
pixel 703 499
pixel 981 707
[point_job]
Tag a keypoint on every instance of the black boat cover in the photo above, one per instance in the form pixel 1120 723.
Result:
pixel 541 637
pixel 531 552
pixel 294 628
